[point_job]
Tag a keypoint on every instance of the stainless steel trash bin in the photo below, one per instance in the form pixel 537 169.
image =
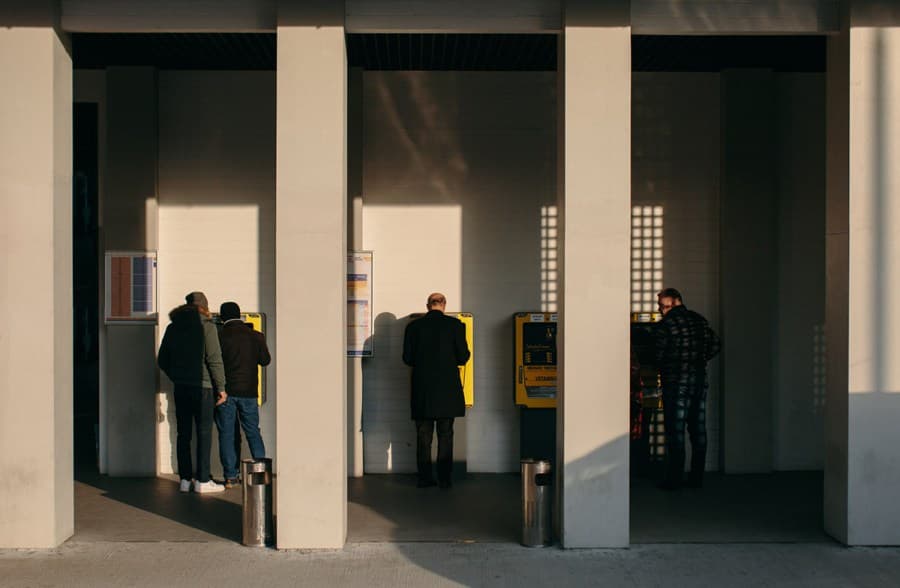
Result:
pixel 537 496
pixel 256 482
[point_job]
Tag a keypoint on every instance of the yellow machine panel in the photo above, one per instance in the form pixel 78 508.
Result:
pixel 467 372
pixel 535 357
pixel 257 321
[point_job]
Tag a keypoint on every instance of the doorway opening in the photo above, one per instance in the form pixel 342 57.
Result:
pixel 728 175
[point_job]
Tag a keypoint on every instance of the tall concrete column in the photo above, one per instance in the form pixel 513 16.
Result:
pixel 129 387
pixel 311 291
pixel 862 469
pixel 595 204
pixel 37 505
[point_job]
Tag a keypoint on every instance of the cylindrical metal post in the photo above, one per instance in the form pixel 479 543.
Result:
pixel 536 500
pixel 256 481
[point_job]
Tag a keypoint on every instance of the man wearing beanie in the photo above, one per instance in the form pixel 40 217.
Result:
pixel 190 356
pixel 243 349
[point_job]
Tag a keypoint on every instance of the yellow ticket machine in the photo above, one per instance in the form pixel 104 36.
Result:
pixel 467 372
pixel 535 382
pixel 535 357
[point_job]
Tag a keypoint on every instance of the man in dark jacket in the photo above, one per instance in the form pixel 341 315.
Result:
pixel 243 349
pixel 434 346
pixel 684 343
pixel 190 356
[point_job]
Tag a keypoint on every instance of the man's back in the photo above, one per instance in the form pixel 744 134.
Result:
pixel 684 343
pixel 243 349
pixel 435 345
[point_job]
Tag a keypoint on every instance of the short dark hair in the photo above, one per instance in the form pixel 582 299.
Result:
pixel 670 293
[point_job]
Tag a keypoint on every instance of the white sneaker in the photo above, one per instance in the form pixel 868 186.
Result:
pixel 185 486
pixel 208 487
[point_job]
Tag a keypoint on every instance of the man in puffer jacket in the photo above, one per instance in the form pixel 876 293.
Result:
pixel 190 356
pixel 684 344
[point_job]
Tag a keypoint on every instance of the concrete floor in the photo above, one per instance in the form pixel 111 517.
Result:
pixel 775 508
pixel 152 509
pixel 375 565
pixel 142 532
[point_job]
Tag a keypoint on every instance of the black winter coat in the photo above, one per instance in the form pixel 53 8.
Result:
pixel 182 348
pixel 434 346
pixel 684 343
pixel 243 349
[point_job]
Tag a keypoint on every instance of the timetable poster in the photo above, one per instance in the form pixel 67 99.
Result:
pixel 359 304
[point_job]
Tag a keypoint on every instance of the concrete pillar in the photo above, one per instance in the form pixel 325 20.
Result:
pixel 37 508
pixel 749 270
pixel 595 205
pixel 862 462
pixel 129 223
pixel 311 247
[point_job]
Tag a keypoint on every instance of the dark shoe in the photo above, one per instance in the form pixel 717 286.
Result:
pixel 232 483
pixel 445 484
pixel 425 483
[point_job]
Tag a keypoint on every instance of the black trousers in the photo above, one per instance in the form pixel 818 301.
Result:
pixel 194 407
pixel 424 434
pixel 684 403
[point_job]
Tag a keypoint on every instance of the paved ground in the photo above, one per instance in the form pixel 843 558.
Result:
pixel 738 531
pixel 450 564
pixel 775 508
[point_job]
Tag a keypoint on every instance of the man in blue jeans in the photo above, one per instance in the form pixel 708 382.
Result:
pixel 243 349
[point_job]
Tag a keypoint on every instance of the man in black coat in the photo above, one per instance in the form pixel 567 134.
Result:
pixel 684 343
pixel 434 346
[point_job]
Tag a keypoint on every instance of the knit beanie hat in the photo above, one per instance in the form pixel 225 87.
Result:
pixel 229 310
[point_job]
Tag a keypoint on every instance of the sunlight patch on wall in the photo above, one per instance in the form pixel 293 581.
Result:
pixel 549 275
pixel 646 257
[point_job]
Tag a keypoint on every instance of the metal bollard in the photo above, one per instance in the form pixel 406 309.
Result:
pixel 256 482
pixel 536 500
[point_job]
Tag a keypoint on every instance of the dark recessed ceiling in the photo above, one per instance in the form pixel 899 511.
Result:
pixel 782 53
pixel 174 50
pixel 444 52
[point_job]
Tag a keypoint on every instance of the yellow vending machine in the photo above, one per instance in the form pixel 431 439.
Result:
pixel 467 372
pixel 535 382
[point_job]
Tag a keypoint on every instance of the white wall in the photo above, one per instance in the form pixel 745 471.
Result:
pixel 437 146
pixel 457 166
pixel 675 165
pixel 216 209
pixel 799 407
pixel 475 152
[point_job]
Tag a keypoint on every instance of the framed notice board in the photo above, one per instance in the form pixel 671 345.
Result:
pixel 131 287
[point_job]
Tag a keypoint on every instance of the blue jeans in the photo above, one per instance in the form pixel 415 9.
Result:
pixel 227 414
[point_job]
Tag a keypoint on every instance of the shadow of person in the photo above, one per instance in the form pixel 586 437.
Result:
pixel 102 513
pixel 389 445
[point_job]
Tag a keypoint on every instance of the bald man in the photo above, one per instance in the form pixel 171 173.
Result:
pixel 434 346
